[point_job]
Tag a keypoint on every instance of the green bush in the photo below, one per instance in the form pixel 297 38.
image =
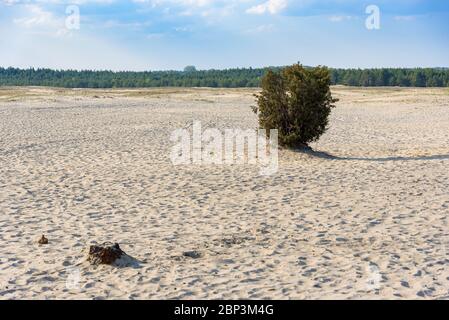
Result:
pixel 297 101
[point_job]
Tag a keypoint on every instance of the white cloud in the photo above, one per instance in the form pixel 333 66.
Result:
pixel 260 29
pixel 210 10
pixel 152 36
pixel 339 18
pixel 405 18
pixel 38 17
pixel 185 3
pixel 36 20
pixel 271 6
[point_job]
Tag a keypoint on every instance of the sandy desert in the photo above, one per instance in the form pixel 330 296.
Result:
pixel 364 217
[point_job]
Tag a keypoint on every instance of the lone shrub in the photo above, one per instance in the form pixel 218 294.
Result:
pixel 297 101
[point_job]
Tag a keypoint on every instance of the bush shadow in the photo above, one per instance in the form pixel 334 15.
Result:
pixel 328 156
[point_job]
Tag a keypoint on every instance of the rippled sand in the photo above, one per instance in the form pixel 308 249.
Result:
pixel 364 217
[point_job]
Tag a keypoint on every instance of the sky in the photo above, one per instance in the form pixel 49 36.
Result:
pixel 217 34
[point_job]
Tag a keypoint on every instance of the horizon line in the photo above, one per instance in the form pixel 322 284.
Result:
pixel 213 69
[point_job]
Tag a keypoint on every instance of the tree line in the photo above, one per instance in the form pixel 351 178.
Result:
pixel 230 78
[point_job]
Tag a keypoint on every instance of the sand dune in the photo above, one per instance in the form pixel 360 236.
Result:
pixel 364 217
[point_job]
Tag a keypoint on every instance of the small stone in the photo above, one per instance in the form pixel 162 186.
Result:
pixel 43 240
pixel 302 263
pixel 193 254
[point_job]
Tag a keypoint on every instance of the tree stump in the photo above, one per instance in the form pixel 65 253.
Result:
pixel 105 254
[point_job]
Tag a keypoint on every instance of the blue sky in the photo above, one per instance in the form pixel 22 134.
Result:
pixel 170 34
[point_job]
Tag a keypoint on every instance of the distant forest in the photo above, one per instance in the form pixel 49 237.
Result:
pixel 230 78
